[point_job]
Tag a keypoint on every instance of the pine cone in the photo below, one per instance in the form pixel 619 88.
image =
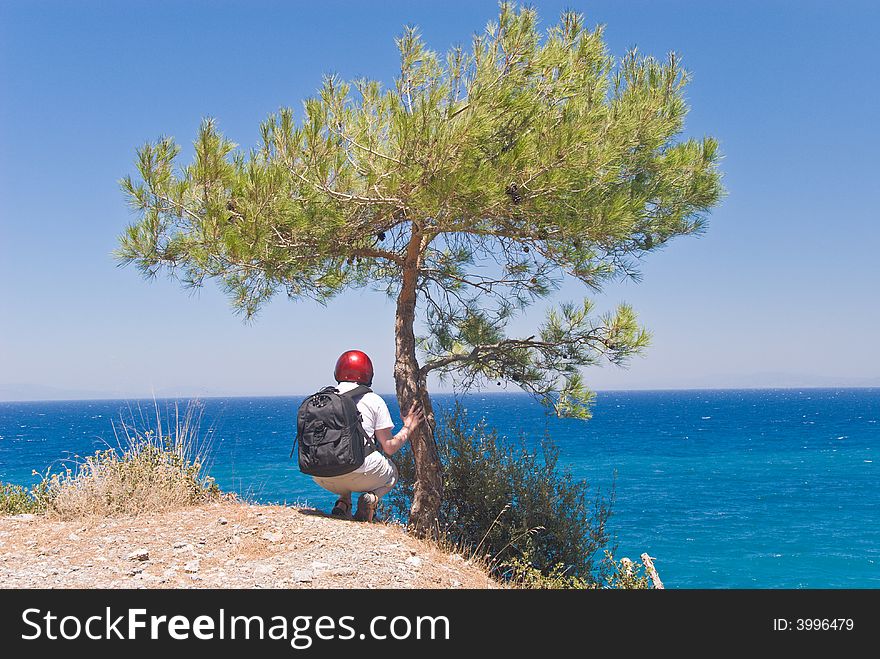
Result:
pixel 512 191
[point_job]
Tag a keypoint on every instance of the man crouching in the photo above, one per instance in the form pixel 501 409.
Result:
pixel 330 430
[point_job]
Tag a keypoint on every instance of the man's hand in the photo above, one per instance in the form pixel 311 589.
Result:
pixel 411 421
pixel 414 417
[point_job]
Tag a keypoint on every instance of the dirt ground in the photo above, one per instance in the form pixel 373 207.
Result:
pixel 224 545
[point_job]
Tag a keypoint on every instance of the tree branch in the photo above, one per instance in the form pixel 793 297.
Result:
pixel 344 196
pixel 371 252
pixel 489 349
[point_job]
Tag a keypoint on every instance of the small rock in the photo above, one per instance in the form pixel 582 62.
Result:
pixel 302 576
pixel 317 565
pixel 180 544
pixel 263 570
pixel 170 573
pixel 235 539
pixel 415 561
pixel 223 521
pixel 73 536
pixel 24 517
pixel 192 567
pixel 455 583
pixel 146 576
pixel 271 536
pixel 343 571
pixel 138 555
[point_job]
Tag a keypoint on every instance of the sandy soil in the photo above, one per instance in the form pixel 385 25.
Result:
pixel 224 545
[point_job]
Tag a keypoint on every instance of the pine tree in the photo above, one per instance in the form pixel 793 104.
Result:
pixel 466 192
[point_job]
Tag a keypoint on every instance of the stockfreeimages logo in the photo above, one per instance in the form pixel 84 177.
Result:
pixel 300 631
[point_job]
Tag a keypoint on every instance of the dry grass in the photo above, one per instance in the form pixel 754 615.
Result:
pixel 150 470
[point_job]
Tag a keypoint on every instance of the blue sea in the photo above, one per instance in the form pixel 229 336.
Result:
pixel 726 489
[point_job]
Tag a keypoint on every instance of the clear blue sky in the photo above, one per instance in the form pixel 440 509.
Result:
pixel 782 289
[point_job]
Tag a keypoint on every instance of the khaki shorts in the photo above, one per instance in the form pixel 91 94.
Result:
pixel 377 475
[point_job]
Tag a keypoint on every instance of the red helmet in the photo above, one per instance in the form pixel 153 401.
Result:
pixel 354 366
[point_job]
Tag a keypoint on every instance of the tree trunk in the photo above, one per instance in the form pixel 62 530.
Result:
pixel 411 388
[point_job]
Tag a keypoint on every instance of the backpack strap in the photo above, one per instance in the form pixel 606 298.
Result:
pixel 360 390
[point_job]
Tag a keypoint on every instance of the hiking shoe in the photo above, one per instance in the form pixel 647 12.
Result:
pixel 342 508
pixel 367 505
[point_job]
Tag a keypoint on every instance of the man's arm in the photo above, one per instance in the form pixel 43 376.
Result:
pixel 411 421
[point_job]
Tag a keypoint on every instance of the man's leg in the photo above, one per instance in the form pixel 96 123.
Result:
pixel 376 478
pixel 342 507
pixel 382 474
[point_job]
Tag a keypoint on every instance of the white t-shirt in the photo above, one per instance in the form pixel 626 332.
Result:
pixel 374 412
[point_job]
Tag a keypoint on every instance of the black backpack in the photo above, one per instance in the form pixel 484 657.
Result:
pixel 331 439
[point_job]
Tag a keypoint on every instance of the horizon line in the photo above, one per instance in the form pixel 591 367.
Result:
pixel 446 393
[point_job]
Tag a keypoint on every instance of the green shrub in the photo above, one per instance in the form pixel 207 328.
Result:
pixel 16 500
pixel 626 574
pixel 511 506
pixel 622 574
